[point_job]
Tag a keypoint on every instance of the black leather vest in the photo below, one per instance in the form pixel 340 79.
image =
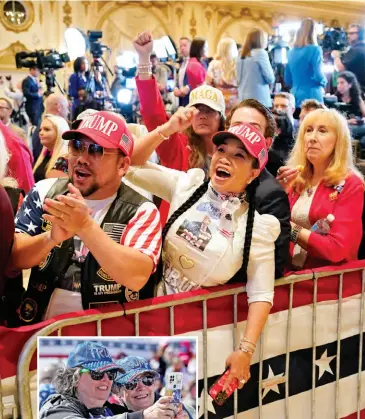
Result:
pixel 97 288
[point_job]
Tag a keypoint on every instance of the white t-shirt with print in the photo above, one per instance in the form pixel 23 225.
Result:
pixel 203 247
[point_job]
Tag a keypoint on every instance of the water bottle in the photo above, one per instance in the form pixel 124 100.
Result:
pixel 323 225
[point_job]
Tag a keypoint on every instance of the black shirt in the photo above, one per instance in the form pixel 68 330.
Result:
pixel 354 60
pixel 40 172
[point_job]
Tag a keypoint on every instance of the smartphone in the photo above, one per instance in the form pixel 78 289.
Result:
pixel 216 390
pixel 174 385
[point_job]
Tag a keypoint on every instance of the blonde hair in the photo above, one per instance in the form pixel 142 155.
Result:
pixel 60 146
pixel 342 163
pixel 227 53
pixel 5 181
pixel 306 34
pixel 255 39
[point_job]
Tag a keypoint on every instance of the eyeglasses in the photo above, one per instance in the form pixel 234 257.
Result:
pixel 146 380
pixel 77 148
pixel 352 33
pixel 98 375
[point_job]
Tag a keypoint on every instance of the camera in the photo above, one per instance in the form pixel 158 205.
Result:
pixel 96 47
pixel 333 39
pixel 43 59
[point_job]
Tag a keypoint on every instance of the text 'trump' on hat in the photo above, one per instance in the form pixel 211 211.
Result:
pixel 92 356
pixel 251 138
pixel 107 129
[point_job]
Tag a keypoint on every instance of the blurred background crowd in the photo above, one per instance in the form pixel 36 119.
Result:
pixel 163 355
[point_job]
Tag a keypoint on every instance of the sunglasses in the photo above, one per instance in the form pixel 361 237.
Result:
pixel 98 375
pixel 78 147
pixel 146 380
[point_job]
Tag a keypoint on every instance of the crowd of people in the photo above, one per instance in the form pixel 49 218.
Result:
pixel 240 193
pixel 93 384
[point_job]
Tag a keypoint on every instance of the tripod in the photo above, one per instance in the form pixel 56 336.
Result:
pixel 51 82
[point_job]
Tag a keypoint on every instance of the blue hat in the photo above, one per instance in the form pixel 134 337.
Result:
pixel 133 366
pixel 92 356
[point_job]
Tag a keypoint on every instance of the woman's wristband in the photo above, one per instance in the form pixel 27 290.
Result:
pixel 295 231
pixel 163 136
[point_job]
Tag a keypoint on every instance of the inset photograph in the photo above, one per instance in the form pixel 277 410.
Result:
pixel 135 378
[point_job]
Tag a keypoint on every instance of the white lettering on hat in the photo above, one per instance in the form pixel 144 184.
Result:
pixel 99 123
pixel 245 132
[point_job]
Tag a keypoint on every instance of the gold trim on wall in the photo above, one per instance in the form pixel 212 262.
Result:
pixel 7 55
pixel 29 8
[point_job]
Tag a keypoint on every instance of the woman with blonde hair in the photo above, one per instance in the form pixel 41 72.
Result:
pixel 52 162
pixel 254 71
pixel 323 184
pixel 222 72
pixel 303 73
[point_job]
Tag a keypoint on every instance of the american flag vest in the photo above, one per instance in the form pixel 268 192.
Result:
pixel 97 287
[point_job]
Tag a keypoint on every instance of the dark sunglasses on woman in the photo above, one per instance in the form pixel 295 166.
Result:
pixel 77 148
pixel 98 375
pixel 146 380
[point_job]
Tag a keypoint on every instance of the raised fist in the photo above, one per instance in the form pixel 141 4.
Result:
pixel 143 44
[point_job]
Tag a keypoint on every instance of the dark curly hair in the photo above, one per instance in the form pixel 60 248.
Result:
pixel 355 90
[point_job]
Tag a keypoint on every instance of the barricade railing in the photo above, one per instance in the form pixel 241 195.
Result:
pixel 23 369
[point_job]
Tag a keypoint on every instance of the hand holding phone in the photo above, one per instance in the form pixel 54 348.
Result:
pixel 216 391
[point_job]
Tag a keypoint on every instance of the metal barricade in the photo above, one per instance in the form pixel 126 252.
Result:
pixel 23 381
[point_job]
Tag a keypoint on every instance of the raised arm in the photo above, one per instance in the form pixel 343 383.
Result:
pixel 152 106
pixel 168 133
pixel 172 151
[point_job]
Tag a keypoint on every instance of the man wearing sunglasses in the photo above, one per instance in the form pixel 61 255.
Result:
pixel 136 391
pixel 90 239
pixel 354 59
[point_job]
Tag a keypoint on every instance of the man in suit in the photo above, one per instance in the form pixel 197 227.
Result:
pixel 270 196
pixel 6 109
pixel 33 93
pixel 182 81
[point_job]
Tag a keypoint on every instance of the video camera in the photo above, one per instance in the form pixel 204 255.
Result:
pixel 43 59
pixel 333 39
pixel 96 47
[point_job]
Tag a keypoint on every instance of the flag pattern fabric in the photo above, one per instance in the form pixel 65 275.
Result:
pixel 188 320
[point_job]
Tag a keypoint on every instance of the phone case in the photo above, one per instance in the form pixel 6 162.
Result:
pixel 174 385
pixel 216 392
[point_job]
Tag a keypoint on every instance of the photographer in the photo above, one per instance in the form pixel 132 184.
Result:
pixel 33 93
pixel 139 380
pixel 354 59
pixel 78 80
